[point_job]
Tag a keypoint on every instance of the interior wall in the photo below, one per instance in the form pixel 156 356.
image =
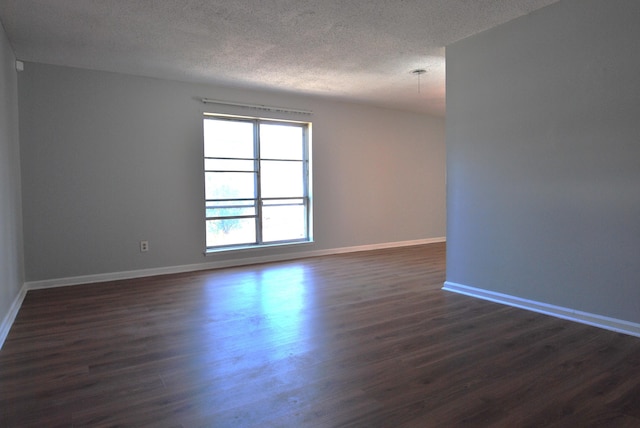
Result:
pixel 543 150
pixel 111 159
pixel 11 255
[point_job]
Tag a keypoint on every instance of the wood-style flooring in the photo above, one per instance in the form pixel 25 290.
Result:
pixel 354 340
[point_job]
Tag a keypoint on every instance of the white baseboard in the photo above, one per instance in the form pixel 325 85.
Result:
pixel 114 276
pixel 8 320
pixel 613 324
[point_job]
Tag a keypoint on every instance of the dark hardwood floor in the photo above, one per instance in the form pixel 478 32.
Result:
pixel 362 340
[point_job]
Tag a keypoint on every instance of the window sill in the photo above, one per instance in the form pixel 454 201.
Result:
pixel 242 248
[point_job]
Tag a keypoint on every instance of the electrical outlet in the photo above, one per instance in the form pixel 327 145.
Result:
pixel 144 246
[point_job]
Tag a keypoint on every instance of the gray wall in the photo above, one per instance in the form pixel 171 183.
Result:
pixel 543 158
pixel 11 260
pixel 111 159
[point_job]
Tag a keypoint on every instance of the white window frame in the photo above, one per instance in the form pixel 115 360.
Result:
pixel 259 201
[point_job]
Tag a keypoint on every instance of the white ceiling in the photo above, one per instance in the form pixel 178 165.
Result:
pixel 360 50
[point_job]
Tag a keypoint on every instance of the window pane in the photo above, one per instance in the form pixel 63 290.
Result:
pixel 283 223
pixel 229 185
pixel 283 202
pixel 281 179
pixel 281 142
pixel 229 165
pixel 231 232
pixel 230 211
pixel 224 204
pixel 228 139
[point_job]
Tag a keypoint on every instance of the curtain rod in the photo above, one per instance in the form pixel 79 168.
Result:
pixel 256 106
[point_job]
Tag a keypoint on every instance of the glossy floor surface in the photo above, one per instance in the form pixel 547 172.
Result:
pixel 356 340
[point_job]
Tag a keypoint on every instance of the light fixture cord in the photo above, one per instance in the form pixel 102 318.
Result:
pixel 419 72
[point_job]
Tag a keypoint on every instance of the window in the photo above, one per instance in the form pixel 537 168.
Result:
pixel 256 175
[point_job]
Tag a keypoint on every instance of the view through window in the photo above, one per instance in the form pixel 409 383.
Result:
pixel 256 182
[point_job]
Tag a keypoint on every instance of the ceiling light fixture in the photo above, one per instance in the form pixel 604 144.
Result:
pixel 418 72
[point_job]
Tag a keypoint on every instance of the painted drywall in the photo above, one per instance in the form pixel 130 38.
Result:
pixel 543 158
pixel 11 255
pixel 111 159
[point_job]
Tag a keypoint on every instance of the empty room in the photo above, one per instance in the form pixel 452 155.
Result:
pixel 418 213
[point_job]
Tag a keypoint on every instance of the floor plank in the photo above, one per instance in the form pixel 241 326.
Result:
pixel 357 340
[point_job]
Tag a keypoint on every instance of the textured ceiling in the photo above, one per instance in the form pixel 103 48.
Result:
pixel 360 50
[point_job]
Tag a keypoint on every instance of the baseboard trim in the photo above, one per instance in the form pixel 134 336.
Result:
pixel 115 276
pixel 595 320
pixel 8 320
